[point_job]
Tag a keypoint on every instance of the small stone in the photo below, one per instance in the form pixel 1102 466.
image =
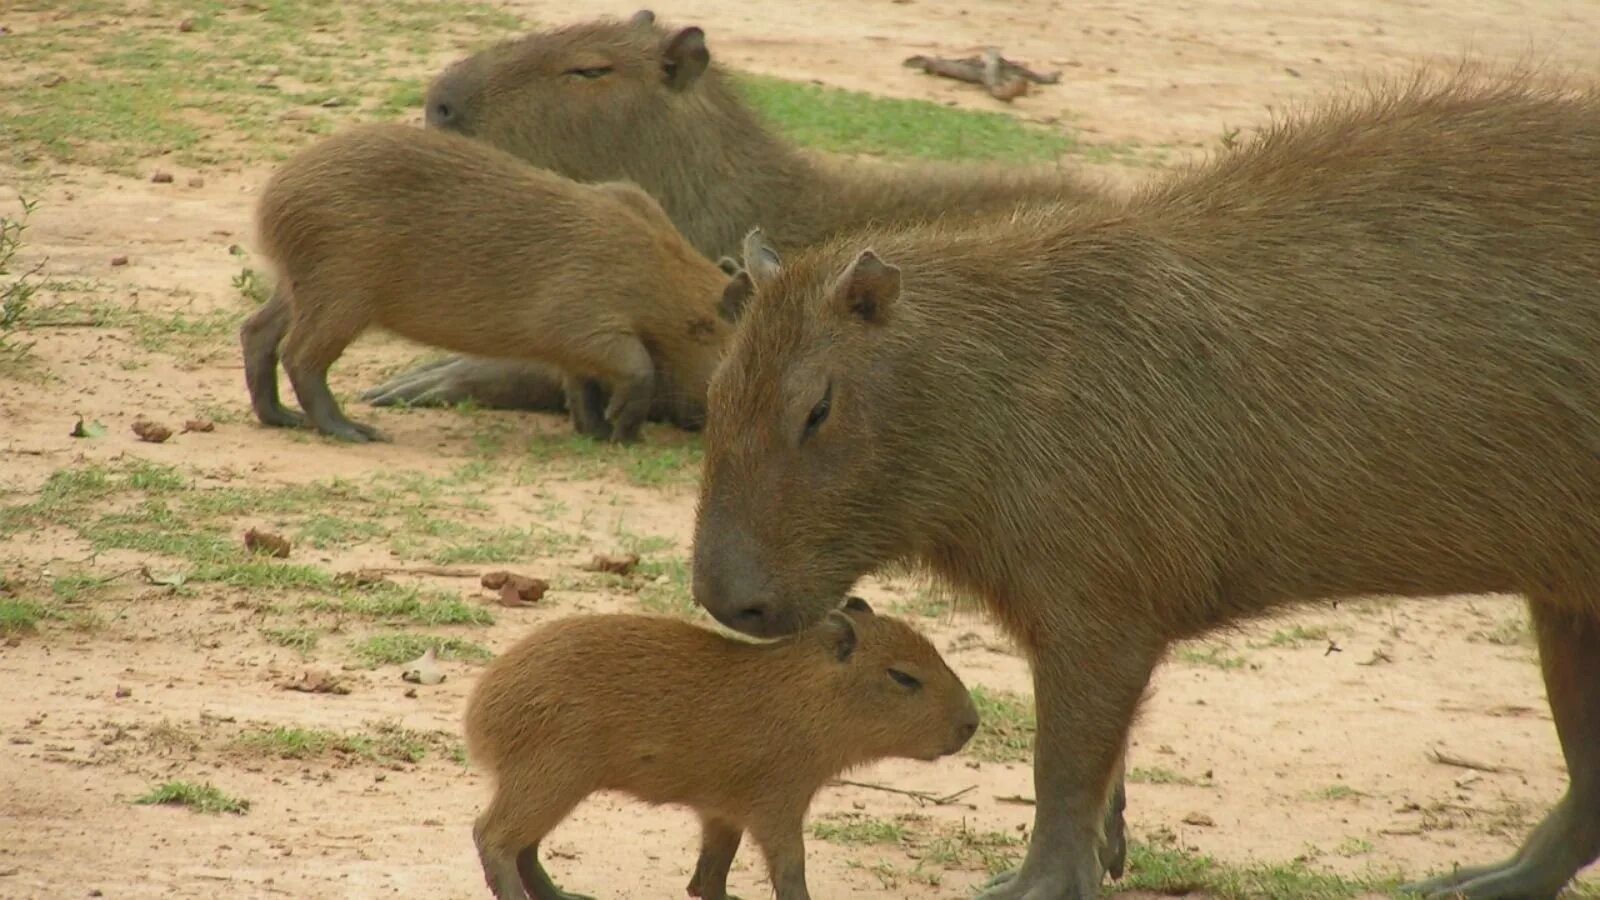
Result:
pixel 119 260
pixel 124 692
pixel 186 25
pixel 162 178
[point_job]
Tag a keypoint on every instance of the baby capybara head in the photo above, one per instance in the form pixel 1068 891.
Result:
pixel 582 101
pixel 804 473
pixel 904 700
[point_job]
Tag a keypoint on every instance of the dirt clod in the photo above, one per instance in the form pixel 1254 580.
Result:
pixel 266 542
pixel 151 432
pixel 119 260
pixel 515 590
pixel 316 681
pixel 613 563
pixel 199 425
pixel 161 178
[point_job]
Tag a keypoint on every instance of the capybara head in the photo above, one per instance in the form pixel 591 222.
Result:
pixel 903 699
pixel 582 101
pixel 803 467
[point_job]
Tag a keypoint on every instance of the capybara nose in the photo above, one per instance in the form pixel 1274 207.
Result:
pixel 441 115
pixel 750 618
pixel 965 733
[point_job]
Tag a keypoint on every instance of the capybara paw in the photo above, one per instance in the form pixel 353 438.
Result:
pixel 282 417
pixel 354 433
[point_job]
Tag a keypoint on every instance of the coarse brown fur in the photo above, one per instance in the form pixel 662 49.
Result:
pixel 743 733
pixel 636 101
pixel 453 243
pixel 1358 356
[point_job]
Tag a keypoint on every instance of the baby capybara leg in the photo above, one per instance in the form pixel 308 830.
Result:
pixel 782 842
pixel 260 336
pixel 719 841
pixel 508 835
pixel 1569 837
pixel 317 336
pixel 632 377
pixel 586 403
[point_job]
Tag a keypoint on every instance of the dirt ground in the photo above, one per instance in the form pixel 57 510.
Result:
pixel 1309 739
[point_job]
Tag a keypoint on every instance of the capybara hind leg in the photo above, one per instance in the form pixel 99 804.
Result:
pixel 500 869
pixel 493 383
pixel 586 403
pixel 260 336
pixel 1569 837
pixel 633 390
pixel 536 881
pixel 1114 844
pixel 314 341
pixel 719 842
pixel 1087 687
pixel 782 842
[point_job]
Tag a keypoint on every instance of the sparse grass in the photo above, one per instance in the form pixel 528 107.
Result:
pixel 1510 632
pixel 1173 872
pixel 303 640
pixel 851 122
pixel 662 459
pixel 1158 775
pixel 992 852
pixel 391 603
pixel 850 829
pixel 21 616
pixel 203 798
pixel 1006 729
pixel 925 602
pixel 1336 792
pixel 666 587
pixel 1353 846
pixel 16 292
pixel 386 742
pixel 1217 657
pixel 399 647
pixel 1293 637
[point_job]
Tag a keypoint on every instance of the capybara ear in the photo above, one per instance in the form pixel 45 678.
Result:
pixel 760 260
pixel 868 288
pixel 840 634
pixel 735 296
pixel 856 604
pixel 644 18
pixel 729 265
pixel 684 58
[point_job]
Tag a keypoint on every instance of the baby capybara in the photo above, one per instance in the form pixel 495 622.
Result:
pixel 453 243
pixel 1360 355
pixel 743 733
pixel 638 101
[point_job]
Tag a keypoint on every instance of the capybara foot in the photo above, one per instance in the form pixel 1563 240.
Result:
pixel 1011 886
pixel 354 432
pixel 1513 879
pixel 281 417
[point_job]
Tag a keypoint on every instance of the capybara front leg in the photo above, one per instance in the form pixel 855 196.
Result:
pixel 537 881
pixel 633 390
pixel 1086 690
pixel 1569 837
pixel 782 842
pixel 586 404
pixel 260 336
pixel 719 842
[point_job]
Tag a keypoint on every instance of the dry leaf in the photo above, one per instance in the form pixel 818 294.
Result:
pixel 616 565
pixel 150 431
pixel 199 425
pixel 360 578
pixel 1200 819
pixel 266 542
pixel 515 590
pixel 92 429
pixel 162 178
pixel 316 681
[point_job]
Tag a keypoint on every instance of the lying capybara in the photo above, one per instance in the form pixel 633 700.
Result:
pixel 635 101
pixel 743 733
pixel 1360 355
pixel 451 242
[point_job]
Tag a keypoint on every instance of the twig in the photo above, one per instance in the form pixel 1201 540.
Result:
pixel 919 796
pixel 1447 759
pixel 441 571
pixel 1016 799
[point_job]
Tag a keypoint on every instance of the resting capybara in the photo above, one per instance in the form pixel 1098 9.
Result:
pixel 743 733
pixel 1359 356
pixel 451 242
pixel 635 101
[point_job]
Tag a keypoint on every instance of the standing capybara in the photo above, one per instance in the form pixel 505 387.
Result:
pixel 612 100
pixel 743 733
pixel 1359 356
pixel 451 242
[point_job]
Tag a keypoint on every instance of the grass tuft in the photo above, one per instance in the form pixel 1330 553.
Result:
pixel 399 647
pixel 202 798
pixel 1006 729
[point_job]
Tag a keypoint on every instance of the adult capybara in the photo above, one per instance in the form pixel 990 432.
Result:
pixel 454 243
pixel 743 733
pixel 636 101
pixel 1359 356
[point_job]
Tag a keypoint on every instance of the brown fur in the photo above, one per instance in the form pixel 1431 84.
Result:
pixel 667 117
pixel 453 243
pixel 743 733
pixel 1358 356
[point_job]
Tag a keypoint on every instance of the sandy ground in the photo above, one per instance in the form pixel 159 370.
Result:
pixel 1317 750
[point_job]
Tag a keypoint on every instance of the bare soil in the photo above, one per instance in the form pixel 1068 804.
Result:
pixel 1314 745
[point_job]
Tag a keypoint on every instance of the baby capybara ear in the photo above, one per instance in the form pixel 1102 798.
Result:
pixel 840 634
pixel 867 289
pixel 729 264
pixel 684 58
pixel 734 297
pixel 760 260
pixel 858 605
pixel 644 18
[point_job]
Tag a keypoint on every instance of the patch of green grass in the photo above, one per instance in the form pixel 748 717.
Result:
pixel 203 798
pixel 662 459
pixel 1353 846
pixel 666 586
pixel 399 647
pixel 1214 656
pixel 326 532
pixel 1299 634
pixel 1006 727
pixel 77 584
pixel 1337 792
pixel 925 602
pixel 1175 873
pixel 851 829
pixel 21 616
pixel 386 742
pixel 851 122
pixel 303 640
pixel 1158 775
pixel 17 287
pixel 392 603
pixel 963 848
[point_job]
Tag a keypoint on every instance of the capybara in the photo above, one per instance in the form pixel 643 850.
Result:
pixel 743 733
pixel 454 243
pixel 1360 355
pixel 636 101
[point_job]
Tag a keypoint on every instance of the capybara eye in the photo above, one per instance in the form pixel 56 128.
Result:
pixel 591 73
pixel 819 414
pixel 909 682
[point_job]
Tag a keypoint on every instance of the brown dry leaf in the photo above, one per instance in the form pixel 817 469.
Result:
pixel 266 542
pixel 614 564
pixel 515 590
pixel 493 580
pixel 316 681
pixel 161 178
pixel 119 260
pixel 151 432
pixel 199 425
pixel 360 578
pixel 1199 819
